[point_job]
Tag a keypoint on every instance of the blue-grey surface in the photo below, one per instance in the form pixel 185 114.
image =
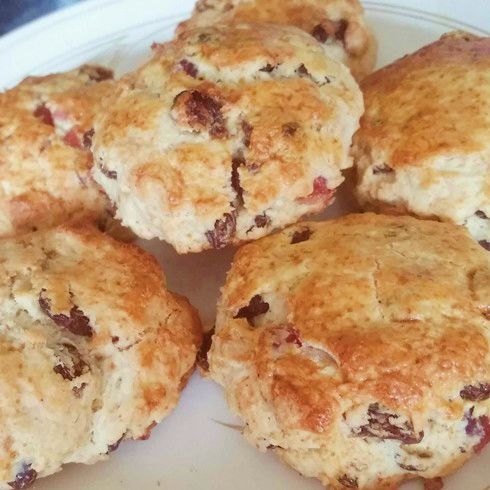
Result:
pixel 14 13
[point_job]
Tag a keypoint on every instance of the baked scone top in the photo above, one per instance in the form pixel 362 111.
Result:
pixel 45 136
pixel 93 347
pixel 228 132
pixel 432 103
pixel 338 23
pixel 326 330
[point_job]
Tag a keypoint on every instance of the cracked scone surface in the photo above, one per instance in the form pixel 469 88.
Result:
pixel 358 349
pixel 424 142
pixel 93 349
pixel 226 134
pixel 338 24
pixel 45 136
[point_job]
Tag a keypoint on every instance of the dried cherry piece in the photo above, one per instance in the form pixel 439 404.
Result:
pixel 383 425
pixel 78 365
pixel 77 323
pixel 202 355
pixel 189 67
pixel 247 129
pixel 293 337
pixel 25 478
pixel 262 220
pixel 321 193
pixel 256 306
pixel 301 236
pixel 87 139
pixel 110 174
pixel 202 112
pixel 223 231
pixel 347 481
pixel 485 244
pixel 382 169
pixel 475 393
pixel 478 426
pixel 44 114
pixel 290 128
pixel 98 73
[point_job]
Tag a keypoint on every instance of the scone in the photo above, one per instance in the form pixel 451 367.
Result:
pixel 338 24
pixel 424 143
pixel 358 349
pixel 45 137
pixel 93 349
pixel 226 134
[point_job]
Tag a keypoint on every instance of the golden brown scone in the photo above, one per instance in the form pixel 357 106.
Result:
pixel 228 133
pixel 93 349
pixel 45 137
pixel 358 349
pixel 338 24
pixel 424 143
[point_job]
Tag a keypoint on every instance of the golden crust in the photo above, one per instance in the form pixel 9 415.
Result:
pixel 433 102
pixel 322 18
pixel 367 309
pixel 227 122
pixel 127 346
pixel 45 126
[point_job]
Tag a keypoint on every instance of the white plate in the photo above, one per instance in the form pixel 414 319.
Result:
pixel 191 449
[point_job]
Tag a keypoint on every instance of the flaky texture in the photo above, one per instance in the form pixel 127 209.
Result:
pixel 338 24
pixel 45 137
pixel 226 134
pixel 93 349
pixel 358 349
pixel 424 142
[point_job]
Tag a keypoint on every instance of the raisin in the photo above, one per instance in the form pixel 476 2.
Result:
pixel 77 323
pixel 301 236
pixel 289 129
pixel 481 214
pixel 433 484
pixel 87 139
pixel 485 244
pixel 98 73
pixel 25 478
pixel 202 355
pixel 189 68
pixel 44 114
pixel 382 424
pixel 247 133
pixel 223 231
pixel 78 365
pixel 347 481
pixel 203 111
pixel 256 306
pixel 268 68
pixel 262 220
pixel 382 169
pixel 110 174
pixel 475 393
pixel 478 426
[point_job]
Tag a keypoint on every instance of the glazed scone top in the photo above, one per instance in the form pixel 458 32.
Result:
pixel 93 347
pixel 338 23
pixel 325 323
pixel 432 103
pixel 45 135
pixel 227 121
